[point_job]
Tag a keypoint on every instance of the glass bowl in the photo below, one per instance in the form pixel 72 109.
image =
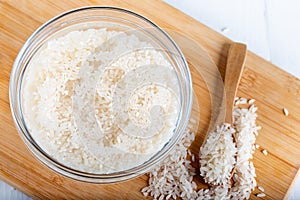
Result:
pixel 76 20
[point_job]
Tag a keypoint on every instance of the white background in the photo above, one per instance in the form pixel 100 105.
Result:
pixel 270 28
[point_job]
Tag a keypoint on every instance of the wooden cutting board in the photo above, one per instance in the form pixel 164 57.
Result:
pixel 272 87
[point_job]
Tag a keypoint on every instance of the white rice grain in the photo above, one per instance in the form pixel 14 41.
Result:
pixel 177 179
pixel 245 136
pixel 175 174
pixel 285 112
pixel 265 152
pixel 217 155
pixel 261 195
pixel 71 83
pixel 243 100
pixel 251 101
pixel 261 188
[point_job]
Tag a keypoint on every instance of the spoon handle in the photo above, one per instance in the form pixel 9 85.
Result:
pixel 234 69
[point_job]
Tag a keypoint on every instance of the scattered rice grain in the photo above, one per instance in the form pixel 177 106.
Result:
pixel 251 101
pixel 286 112
pixel 261 188
pixel 265 152
pixel 261 195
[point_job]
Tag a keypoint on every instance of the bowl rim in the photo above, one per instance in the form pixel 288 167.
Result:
pixel 42 156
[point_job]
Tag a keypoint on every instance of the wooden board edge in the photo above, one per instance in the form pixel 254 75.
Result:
pixel 287 194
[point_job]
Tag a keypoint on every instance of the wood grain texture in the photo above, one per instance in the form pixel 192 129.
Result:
pixel 271 87
pixel 236 58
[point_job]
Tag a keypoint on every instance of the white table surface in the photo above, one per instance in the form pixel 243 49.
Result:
pixel 270 28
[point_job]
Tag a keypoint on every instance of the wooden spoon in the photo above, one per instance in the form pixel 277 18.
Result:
pixel 234 69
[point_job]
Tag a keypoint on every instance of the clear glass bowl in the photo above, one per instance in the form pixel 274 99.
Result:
pixel 124 18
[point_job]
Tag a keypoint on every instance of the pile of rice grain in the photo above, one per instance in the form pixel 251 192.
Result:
pixel 244 176
pixel 174 177
pixel 70 98
pixel 217 155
